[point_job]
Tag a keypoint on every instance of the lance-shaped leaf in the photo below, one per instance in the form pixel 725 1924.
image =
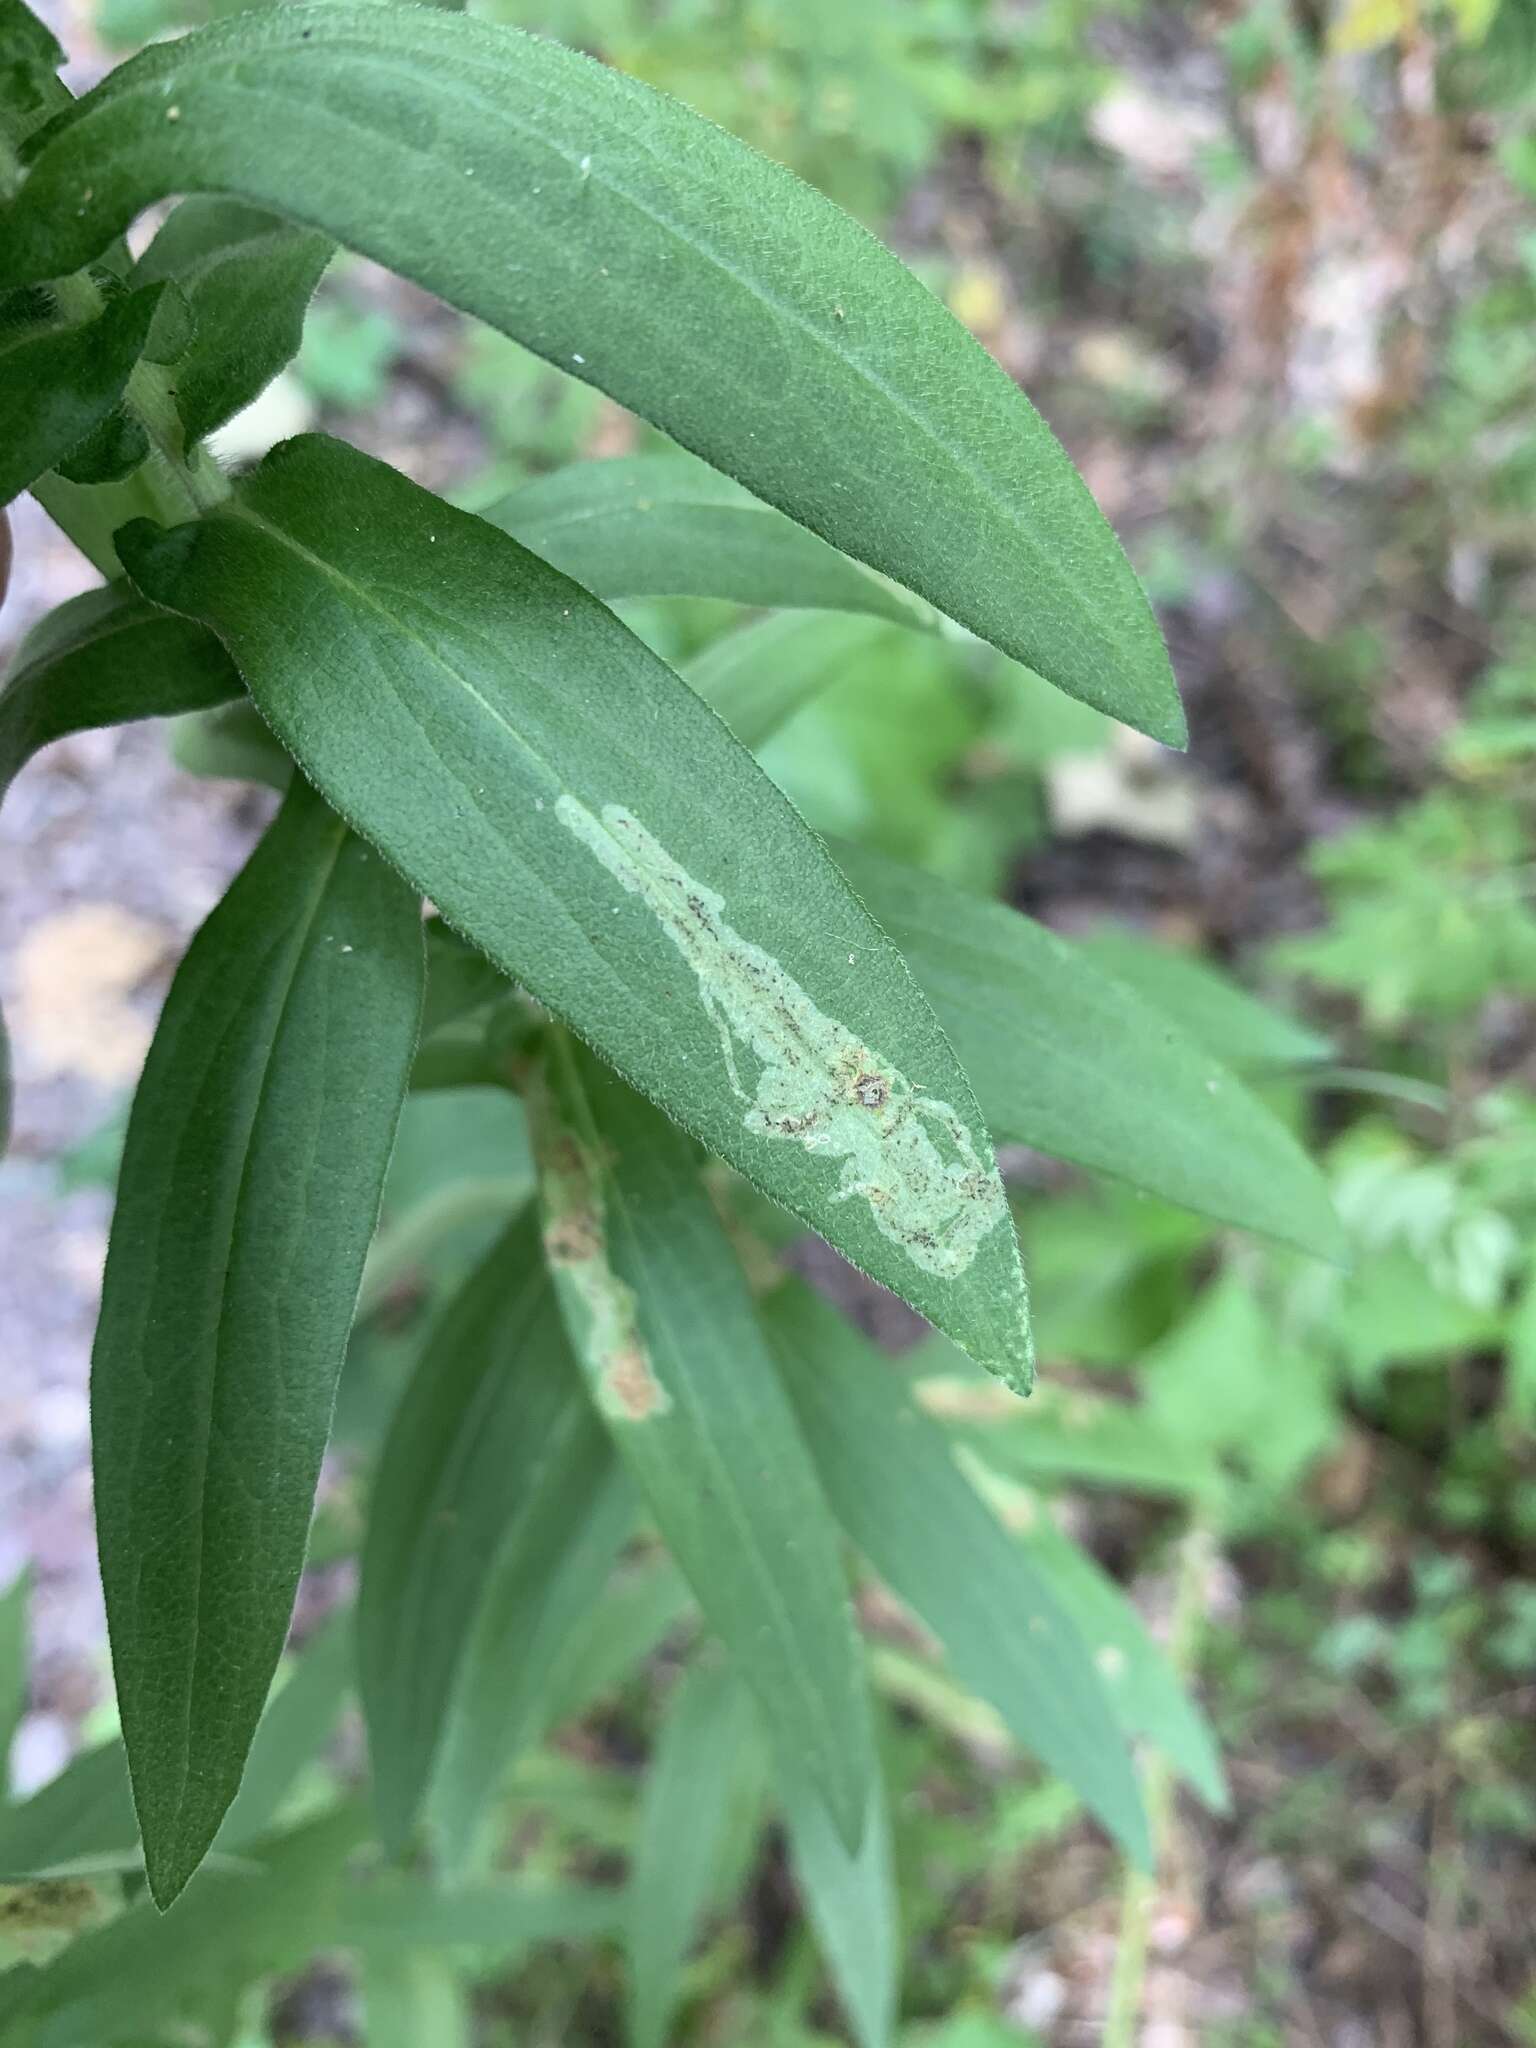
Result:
pixel 248 279
pixel 662 1322
pixel 59 384
pixel 1216 1012
pixel 894 1485
pixel 685 1815
pixel 760 675
pixel 104 658
pixel 486 1474
pixel 669 526
pixel 249 1189
pixel 1067 1059
pixel 576 810
pixel 852 1902
pixel 539 1597
pixel 635 245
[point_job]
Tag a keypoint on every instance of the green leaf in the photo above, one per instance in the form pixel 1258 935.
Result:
pixel 1066 1059
pixel 655 1302
pixel 249 1189
pixel 248 278
pixel 122 1980
pixel 760 675
pixel 895 1488
pixel 635 245
pixel 59 384
pixel 669 526
pixel 684 1819
pixel 30 58
pixel 852 1903
pixel 519 1655
pixel 486 1474
pixel 514 750
pixel 1211 1007
pixel 413 1998
pixel 86 1812
pixel 503 1920
pixel 102 659
pixel 1064 1433
pixel 1139 1682
pixel 299 1718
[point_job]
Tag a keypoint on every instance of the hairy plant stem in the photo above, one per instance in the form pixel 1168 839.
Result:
pixel 1139 1891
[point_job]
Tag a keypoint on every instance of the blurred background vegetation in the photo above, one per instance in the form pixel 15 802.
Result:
pixel 1270 271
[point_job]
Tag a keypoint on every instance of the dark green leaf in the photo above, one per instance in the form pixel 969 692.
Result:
pixel 896 1490
pixel 248 278
pixel 229 742
pixel 249 1189
pixel 102 659
pixel 1066 1059
pixel 657 1306
pixel 684 1817
pixel 519 1658
pixel 30 56
pixel 623 238
pixel 486 1476
pixel 1215 1011
pixel 669 526
pixel 515 751
pixel 58 384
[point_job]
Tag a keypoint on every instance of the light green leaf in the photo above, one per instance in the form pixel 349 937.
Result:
pixel 532 1618
pixel 656 1302
pixel 121 1981
pixel 102 659
pixel 638 1612
pixel 1066 1059
pixel 896 1490
pixel 760 675
pixel 58 384
pixel 86 1814
pixel 670 526
pixel 1139 1682
pixel 299 1718
pixel 852 1903
pixel 487 1471
pixel 249 1189
pixel 1208 1004
pixel 248 278
pixel 415 1999
pixel 684 1819
pixel 500 1919
pixel 633 244
pixel 1063 1434
pixel 515 751
pixel 86 1811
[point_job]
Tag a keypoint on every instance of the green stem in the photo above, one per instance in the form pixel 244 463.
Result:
pixel 173 484
pixel 1138 1893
